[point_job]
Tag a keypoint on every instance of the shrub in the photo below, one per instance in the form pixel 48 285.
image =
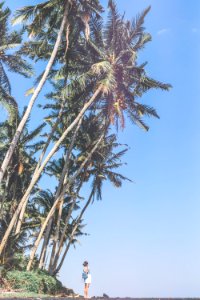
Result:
pixel 34 281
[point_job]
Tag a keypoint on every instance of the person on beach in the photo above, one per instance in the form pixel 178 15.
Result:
pixel 87 278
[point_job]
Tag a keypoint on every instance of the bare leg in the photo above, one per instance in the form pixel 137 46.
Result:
pixel 86 290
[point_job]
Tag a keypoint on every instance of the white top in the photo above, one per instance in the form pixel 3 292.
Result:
pixel 86 275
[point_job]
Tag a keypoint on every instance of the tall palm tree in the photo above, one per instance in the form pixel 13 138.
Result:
pixel 117 81
pixel 101 167
pixel 89 128
pixel 33 98
pixel 66 187
pixel 16 179
pixel 23 158
pixel 117 54
pixel 74 229
pixel 62 171
pixel 50 14
pixel 42 203
pixel 83 8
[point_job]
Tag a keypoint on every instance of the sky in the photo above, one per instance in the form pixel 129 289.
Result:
pixel 144 239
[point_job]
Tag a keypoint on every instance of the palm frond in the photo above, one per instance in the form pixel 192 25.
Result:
pixel 10 104
pixel 27 12
pixel 8 46
pixel 149 83
pixel 29 137
pixel 16 63
pixel 145 110
pixel 137 28
pixel 4 81
pixel 138 121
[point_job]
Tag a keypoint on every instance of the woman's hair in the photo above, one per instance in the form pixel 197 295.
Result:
pixel 85 263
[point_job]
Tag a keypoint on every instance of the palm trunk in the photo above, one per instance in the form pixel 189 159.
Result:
pixel 74 231
pixel 33 98
pixel 65 230
pixel 4 195
pixel 51 212
pixel 45 244
pixel 62 237
pixel 63 258
pixel 63 180
pixel 19 224
pixel 37 242
pixel 42 255
pixel 56 236
pixel 49 156
pixel 46 260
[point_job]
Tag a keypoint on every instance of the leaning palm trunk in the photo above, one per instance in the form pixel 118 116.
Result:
pixel 34 97
pixel 19 223
pixel 62 236
pixel 64 255
pixel 51 212
pixel 45 244
pixel 56 270
pixel 4 196
pixel 63 181
pixel 56 236
pixel 61 243
pixel 49 156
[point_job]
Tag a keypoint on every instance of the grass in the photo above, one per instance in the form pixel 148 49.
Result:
pixel 23 295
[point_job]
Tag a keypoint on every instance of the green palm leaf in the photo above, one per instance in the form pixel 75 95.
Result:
pixel 10 104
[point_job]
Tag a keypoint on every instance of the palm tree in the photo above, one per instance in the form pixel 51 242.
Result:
pixel 12 61
pixel 72 233
pixel 24 14
pixel 63 178
pixel 16 180
pixel 116 79
pixel 23 158
pixel 89 128
pixel 48 14
pixel 117 53
pixel 66 187
pixel 37 91
pixel 42 203
pixel 100 168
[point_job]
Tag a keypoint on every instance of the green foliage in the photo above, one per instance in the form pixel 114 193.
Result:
pixel 16 262
pixel 10 60
pixel 34 281
pixel 106 58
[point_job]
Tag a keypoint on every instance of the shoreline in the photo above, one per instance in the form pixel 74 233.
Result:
pixel 11 295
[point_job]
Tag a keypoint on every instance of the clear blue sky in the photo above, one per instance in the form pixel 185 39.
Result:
pixel 145 237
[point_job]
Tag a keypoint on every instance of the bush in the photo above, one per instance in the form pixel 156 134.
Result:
pixel 34 281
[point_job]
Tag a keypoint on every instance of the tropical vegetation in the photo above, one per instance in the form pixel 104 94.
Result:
pixel 95 85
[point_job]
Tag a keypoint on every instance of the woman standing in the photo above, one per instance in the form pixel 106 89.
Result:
pixel 87 278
